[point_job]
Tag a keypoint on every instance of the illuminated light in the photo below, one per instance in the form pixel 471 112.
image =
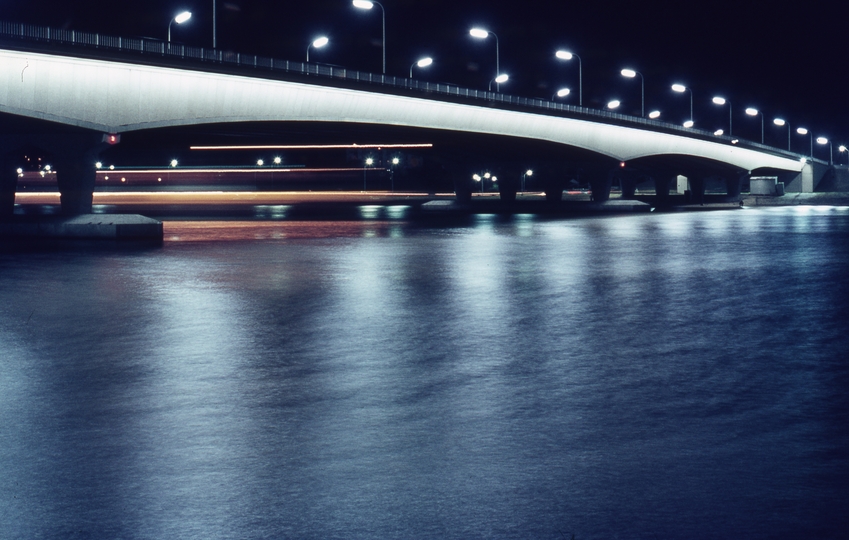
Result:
pixel 719 132
pixel 779 122
pixel 183 17
pixel 174 162
pixel 312 146
pixel 822 140
pixel 654 114
pixel 630 73
pixel 735 141
pixel 476 177
pixel 41 173
pixel 277 160
pixel 529 172
pixel 803 160
pixel 320 42
pixel 842 148
pixel 395 161
pixel 614 104
pixel 424 62
pixel 801 131
pixel 112 167
pixel 564 55
pixel 752 111
pixel 479 33
pixel 47 167
pixel 719 100
pixel 20 171
pixel 123 179
pixel 159 179
pixel 563 92
pixel 495 179
pixel 260 162
pixel 679 87
pixel 107 177
pixel 98 165
pixel 688 124
pixel 622 164
pixel 369 161
pixel 486 175
pixel 502 78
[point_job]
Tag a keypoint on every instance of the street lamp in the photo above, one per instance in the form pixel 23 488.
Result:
pixel 563 92
pixel 722 101
pixel 842 148
pixel 654 115
pixel 369 163
pixel 823 140
pixel 630 73
pixel 751 111
pixel 803 131
pixel 480 33
pixel 179 19
pixel 498 80
pixel 566 55
pixel 682 88
pixel 424 62
pixel 614 104
pixel 781 122
pixel 527 173
pixel 318 43
pixel 368 4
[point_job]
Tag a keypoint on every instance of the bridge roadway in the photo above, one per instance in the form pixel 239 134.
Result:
pixel 76 95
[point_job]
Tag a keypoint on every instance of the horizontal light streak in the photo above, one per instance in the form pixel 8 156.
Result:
pixel 264 170
pixel 310 146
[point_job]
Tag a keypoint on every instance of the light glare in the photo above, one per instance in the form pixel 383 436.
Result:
pixel 719 100
pixel 752 111
pixel 424 62
pixel 613 104
pixel 563 92
pixel 688 124
pixel 563 55
pixel 630 73
pixel 479 33
pixel 779 122
pixel 320 42
pixel 502 78
pixel 822 140
pixel 719 132
pixel 363 4
pixel 183 17
pixel 679 87
pixel 654 114
pixel 801 131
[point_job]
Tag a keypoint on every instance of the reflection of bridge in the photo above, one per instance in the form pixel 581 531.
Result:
pixel 64 91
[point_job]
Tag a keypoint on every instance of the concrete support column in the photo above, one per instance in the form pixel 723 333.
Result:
pixel 600 185
pixel 508 184
pixel 629 186
pixel 8 186
pixel 463 189
pixel 75 174
pixel 661 184
pixel 697 189
pixel 734 184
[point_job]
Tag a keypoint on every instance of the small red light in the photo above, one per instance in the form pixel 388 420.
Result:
pixel 621 163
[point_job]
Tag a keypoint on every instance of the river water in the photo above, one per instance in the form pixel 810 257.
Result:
pixel 679 375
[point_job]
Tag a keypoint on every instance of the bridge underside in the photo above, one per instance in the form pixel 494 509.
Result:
pixel 446 166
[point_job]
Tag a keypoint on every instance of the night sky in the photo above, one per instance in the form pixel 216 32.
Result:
pixel 786 60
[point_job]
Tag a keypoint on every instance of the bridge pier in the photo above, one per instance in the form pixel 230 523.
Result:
pixel 75 174
pixel 697 189
pixel 734 185
pixel 8 185
pixel 463 189
pixel 600 183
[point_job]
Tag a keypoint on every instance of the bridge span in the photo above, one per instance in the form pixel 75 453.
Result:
pixel 67 95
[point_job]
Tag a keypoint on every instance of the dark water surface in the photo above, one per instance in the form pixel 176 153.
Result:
pixel 654 376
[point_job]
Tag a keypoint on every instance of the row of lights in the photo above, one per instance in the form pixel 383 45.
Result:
pixel 481 33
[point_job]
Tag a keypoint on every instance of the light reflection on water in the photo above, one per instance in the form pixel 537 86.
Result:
pixel 669 376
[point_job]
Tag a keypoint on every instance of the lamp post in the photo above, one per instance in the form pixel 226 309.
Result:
pixel 527 173
pixel 803 131
pixel 823 140
pixel 563 92
pixel 368 4
pixel 630 73
pixel 318 43
pixel 369 163
pixel 682 88
pixel 480 33
pixel 424 62
pixel 179 19
pixel 566 55
pixel 214 41
pixel 842 148
pixel 781 122
pixel 498 80
pixel 722 101
pixel 751 111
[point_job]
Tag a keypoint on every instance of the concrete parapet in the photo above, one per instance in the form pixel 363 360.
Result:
pixel 88 226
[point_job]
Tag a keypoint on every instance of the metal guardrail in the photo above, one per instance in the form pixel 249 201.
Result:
pixel 150 46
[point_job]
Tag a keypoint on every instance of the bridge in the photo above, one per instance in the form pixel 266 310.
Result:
pixel 73 93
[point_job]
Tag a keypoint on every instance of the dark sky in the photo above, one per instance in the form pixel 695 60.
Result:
pixel 787 59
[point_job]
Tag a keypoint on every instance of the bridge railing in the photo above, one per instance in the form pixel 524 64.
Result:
pixel 150 46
